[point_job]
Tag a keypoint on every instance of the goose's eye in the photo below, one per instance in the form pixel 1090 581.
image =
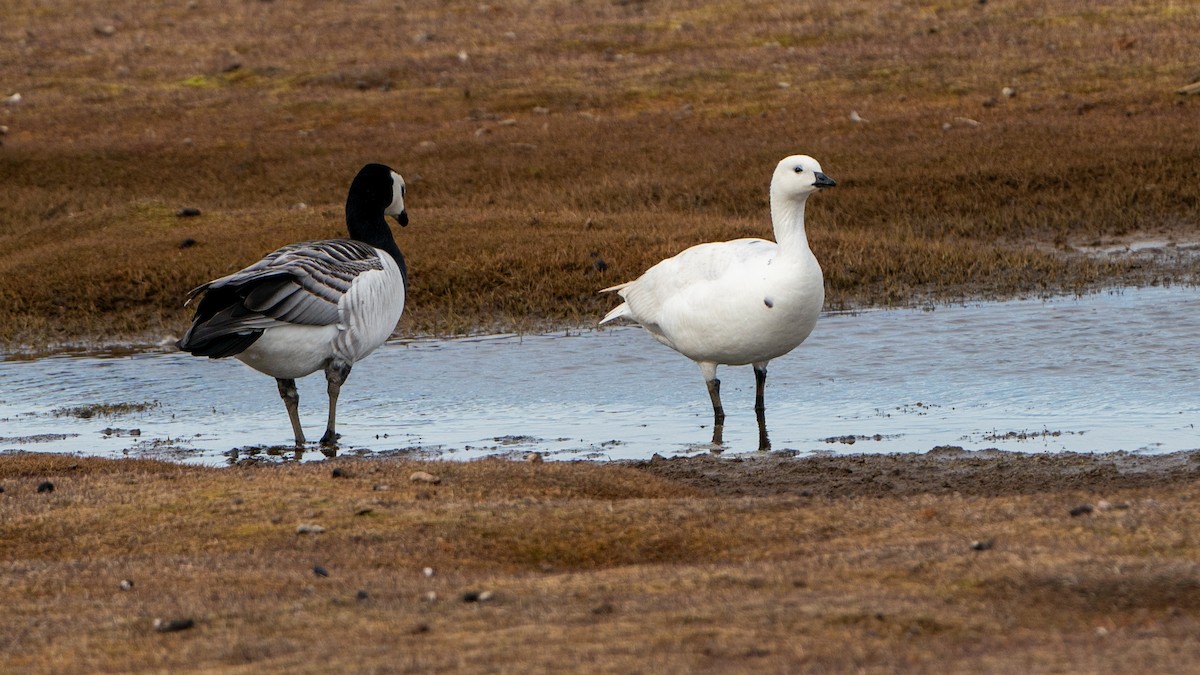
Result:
pixel 799 169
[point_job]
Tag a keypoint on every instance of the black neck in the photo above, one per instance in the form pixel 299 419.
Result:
pixel 372 229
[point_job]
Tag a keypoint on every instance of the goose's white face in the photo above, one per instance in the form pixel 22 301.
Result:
pixel 396 208
pixel 799 176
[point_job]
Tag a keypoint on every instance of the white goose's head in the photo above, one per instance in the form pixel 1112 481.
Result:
pixel 797 177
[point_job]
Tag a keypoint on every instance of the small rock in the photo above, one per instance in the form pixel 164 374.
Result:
pixel 419 628
pixel 361 595
pixel 187 243
pixel 1 489
pixel 320 571
pixel 45 486
pixel 507 122
pixel 309 529
pixel 428 571
pixel 981 544
pixel 339 472
pixel 1081 510
pixel 1008 92
pixel 477 596
pixel 380 487
pixel 15 99
pixel 3 130
pixel 172 625
pixel 364 511
pixel 424 477
pixel 539 110
pixel 1102 505
pixel 126 584
pixel 188 212
pixel 107 30
pixel 605 608
pixel 429 596
pixel 989 102
pixel 534 458
pixel 856 118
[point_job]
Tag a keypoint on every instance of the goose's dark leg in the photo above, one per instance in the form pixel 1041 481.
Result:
pixel 336 373
pixel 291 400
pixel 714 394
pixel 760 407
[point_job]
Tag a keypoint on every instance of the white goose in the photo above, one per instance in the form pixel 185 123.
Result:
pixel 738 302
pixel 312 305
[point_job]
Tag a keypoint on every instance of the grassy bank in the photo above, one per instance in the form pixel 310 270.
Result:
pixel 912 563
pixel 540 138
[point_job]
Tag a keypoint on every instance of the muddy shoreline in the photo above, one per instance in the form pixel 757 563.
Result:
pixel 941 471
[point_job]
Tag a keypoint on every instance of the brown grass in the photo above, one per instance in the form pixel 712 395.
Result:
pixel 625 129
pixel 604 568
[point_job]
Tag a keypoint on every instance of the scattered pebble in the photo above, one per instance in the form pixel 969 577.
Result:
pixel 1 489
pixel 539 110
pixel 428 571
pixel 339 472
pixel 364 511
pixel 45 486
pixel 106 30
pixel 187 243
pixel 981 544
pixel 1081 510
pixel 379 487
pixel 429 596
pixel 419 628
pixel 188 212
pixel 15 99
pixel 478 596
pixel 424 477
pixel 127 584
pixel 1102 505
pixel 856 118
pixel 1008 92
pixel 605 608
pixel 361 595
pixel 172 625
pixel 309 529
pixel 320 571
pixel 3 130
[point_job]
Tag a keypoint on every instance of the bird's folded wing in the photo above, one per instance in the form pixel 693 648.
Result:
pixel 297 284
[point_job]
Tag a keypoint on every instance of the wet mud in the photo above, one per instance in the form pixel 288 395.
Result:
pixel 942 470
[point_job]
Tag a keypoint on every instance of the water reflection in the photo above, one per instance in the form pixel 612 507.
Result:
pixel 1113 371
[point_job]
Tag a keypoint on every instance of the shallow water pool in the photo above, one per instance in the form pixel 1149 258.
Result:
pixel 1104 372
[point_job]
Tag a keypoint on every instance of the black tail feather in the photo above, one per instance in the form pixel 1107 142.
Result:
pixel 220 346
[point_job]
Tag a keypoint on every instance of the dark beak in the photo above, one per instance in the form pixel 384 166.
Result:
pixel 824 181
pixel 402 218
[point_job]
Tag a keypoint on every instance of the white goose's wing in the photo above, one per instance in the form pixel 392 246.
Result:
pixel 298 284
pixel 692 276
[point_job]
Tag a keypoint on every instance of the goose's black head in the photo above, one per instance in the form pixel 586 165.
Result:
pixel 377 191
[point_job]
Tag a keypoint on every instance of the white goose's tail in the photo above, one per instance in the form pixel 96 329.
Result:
pixel 618 311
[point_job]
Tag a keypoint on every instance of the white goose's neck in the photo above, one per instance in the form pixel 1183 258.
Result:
pixel 787 215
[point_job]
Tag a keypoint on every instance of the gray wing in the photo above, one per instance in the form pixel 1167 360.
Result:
pixel 298 284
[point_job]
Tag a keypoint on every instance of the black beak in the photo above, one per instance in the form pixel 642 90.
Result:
pixel 824 181
pixel 402 218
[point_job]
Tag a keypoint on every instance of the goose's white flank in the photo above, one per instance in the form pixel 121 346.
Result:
pixel 738 302
pixel 314 305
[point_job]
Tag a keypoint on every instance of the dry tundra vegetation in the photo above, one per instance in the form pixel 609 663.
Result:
pixel 539 137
